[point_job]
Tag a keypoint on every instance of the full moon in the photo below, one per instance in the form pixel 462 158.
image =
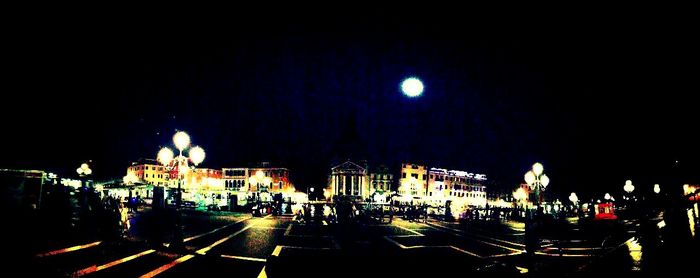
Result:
pixel 412 87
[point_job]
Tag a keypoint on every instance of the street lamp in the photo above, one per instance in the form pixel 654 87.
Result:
pixel 181 164
pixel 573 198
pixel 628 186
pixel 412 87
pixel 537 180
pixel 307 192
pixel 657 188
pixel 84 170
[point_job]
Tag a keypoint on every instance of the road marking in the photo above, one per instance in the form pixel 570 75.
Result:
pixel 464 234
pixel 96 268
pixel 563 255
pixel 407 229
pixel 211 232
pixel 506 254
pixel 215 230
pixel 204 250
pixel 267 228
pixel 289 229
pixel 427 246
pixel 395 242
pixel 167 266
pixel 465 252
pixel 68 249
pixel 244 258
pixel 277 251
pixel 262 274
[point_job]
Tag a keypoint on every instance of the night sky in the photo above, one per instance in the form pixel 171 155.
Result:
pixel 597 98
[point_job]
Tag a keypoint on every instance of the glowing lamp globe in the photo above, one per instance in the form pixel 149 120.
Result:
pixel 197 155
pixel 412 87
pixel 181 140
pixel 537 168
pixel 544 180
pixel 165 156
pixel 530 177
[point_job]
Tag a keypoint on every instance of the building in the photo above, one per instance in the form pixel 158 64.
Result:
pixel 412 182
pixel 257 183
pixel 258 179
pixel 235 179
pixel 462 187
pixel 381 179
pixel 349 179
pixel 146 171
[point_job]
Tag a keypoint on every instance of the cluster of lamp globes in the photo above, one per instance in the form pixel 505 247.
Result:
pixel 182 142
pixel 84 170
pixel 536 176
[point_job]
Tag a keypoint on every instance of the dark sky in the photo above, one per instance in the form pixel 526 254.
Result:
pixel 598 98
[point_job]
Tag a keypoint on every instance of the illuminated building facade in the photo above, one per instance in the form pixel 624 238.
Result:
pixel 146 171
pixel 465 188
pixel 412 182
pixel 349 179
pixel 239 179
pixel 381 179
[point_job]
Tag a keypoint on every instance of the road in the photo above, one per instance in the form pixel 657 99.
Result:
pixel 276 246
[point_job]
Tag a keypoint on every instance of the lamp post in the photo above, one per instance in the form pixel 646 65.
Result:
pixel 537 181
pixel 84 171
pixel 307 192
pixel 657 188
pixel 574 200
pixel 181 165
pixel 520 196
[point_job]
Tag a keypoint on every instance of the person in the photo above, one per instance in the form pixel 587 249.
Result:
pixel 124 219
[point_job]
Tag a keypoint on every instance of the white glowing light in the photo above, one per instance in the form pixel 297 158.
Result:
pixel 530 178
pixel 197 155
pixel 573 198
pixel 165 156
pixel 537 168
pixel 412 87
pixel 628 186
pixel 181 140
pixel 544 180
pixel 657 188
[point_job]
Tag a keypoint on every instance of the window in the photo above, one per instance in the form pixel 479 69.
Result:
pixel 403 175
pixel 414 176
pixel 414 166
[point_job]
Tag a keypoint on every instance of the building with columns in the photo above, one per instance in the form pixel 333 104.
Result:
pixel 349 179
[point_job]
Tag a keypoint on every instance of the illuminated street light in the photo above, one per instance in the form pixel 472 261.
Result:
pixel 84 170
pixel 573 198
pixel 412 87
pixel 607 196
pixel 628 186
pixel 537 180
pixel 181 164
pixel 181 140
pixel 657 188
